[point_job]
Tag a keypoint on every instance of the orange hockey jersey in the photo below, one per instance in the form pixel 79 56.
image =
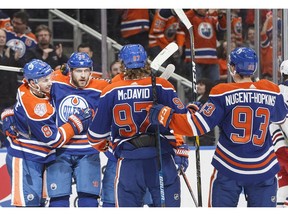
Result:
pixel 165 30
pixel 134 21
pixel 204 30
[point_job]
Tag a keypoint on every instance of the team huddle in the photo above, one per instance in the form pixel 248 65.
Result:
pixel 62 121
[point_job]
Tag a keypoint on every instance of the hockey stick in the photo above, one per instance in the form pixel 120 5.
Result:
pixel 169 70
pixel 155 65
pixel 188 186
pixel 184 19
pixel 164 55
pixel 13 69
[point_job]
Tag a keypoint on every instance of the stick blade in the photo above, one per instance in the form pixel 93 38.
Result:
pixel 164 55
pixel 169 70
pixel 184 19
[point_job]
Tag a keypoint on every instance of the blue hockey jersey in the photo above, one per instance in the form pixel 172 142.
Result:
pixel 67 99
pixel 123 116
pixel 243 112
pixel 38 135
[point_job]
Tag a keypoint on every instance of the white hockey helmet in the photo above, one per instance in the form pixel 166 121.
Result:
pixel 284 67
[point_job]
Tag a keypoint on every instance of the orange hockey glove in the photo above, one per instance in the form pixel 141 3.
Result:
pixel 160 114
pixel 7 117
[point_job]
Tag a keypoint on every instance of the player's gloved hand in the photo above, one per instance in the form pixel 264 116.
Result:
pixel 159 114
pixel 109 154
pixel 181 157
pixel 64 69
pixel 282 156
pixel 101 145
pixel 194 106
pixel 7 117
pixel 80 121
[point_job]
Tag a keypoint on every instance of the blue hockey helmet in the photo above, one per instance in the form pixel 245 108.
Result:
pixel 133 56
pixel 36 69
pixel 284 67
pixel 80 60
pixel 244 59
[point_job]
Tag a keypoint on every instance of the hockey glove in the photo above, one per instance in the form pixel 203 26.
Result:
pixel 101 145
pixel 160 114
pixel 181 157
pixel 64 69
pixel 7 117
pixel 80 121
pixel 194 107
pixel 109 154
pixel 282 156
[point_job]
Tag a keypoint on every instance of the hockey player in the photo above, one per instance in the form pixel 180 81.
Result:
pixel 122 115
pixel 76 159
pixel 32 134
pixel 244 158
pixel 279 136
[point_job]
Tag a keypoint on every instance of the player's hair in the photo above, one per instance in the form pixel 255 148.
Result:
pixel 136 73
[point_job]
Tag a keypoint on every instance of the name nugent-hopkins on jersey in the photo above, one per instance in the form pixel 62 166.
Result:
pixel 250 97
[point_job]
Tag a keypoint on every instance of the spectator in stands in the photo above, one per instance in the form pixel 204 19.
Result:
pixel 5 21
pixel 115 68
pixel 165 29
pixel 203 87
pixel 222 59
pixel 236 26
pixel 8 81
pixel 21 38
pixel 44 50
pixel 250 38
pixel 135 26
pixel 87 48
pixel 204 29
pixel 267 50
pixel 269 28
pixel 250 16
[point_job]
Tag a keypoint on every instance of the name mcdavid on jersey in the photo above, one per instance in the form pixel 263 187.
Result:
pixel 70 105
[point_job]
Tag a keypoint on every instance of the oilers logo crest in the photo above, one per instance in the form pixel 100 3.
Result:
pixel 205 30
pixel 17 45
pixel 70 105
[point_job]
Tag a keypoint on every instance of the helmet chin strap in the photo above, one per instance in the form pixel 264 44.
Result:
pixel 232 73
pixel 37 90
